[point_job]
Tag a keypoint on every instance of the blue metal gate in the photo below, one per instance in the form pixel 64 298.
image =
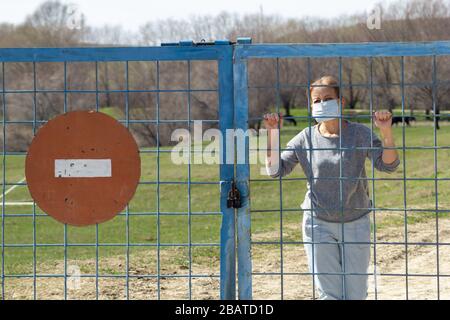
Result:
pixel 186 52
pixel 233 113
pixel 244 53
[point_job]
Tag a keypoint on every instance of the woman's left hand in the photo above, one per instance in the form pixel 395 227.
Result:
pixel 383 119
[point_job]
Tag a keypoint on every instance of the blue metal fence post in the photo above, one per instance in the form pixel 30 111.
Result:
pixel 227 233
pixel 242 177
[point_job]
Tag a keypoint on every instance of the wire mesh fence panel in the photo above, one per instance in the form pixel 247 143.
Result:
pixel 166 244
pixel 408 210
pixel 202 206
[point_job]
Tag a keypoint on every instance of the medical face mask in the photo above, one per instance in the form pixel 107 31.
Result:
pixel 327 110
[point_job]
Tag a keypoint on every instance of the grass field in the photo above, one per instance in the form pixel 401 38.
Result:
pixel 21 229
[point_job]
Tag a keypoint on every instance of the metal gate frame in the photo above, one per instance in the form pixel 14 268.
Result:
pixel 243 51
pixel 235 244
pixel 220 51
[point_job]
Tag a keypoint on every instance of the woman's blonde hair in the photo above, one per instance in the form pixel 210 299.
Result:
pixel 329 81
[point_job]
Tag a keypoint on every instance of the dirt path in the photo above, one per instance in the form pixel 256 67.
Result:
pixel 391 260
pixel 422 260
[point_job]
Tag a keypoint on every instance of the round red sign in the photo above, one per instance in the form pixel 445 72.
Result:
pixel 83 167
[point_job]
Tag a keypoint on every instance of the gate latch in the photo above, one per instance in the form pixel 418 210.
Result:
pixel 234 197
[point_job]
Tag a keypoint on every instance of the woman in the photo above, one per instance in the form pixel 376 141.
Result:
pixel 336 221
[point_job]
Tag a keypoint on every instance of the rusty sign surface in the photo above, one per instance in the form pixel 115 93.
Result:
pixel 83 167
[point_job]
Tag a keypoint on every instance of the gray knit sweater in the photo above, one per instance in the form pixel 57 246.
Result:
pixel 322 169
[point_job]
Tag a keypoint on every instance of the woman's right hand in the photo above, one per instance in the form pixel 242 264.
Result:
pixel 271 120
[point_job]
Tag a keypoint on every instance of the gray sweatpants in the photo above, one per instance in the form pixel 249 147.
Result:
pixel 326 259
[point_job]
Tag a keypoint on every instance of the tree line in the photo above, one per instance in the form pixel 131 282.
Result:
pixel 272 82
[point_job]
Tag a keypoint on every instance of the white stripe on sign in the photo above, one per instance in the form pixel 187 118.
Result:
pixel 82 168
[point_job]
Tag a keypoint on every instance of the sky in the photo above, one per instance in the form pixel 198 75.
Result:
pixel 133 13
